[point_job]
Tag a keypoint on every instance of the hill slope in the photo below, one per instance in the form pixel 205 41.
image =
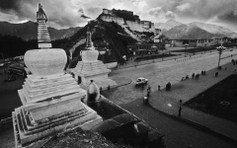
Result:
pixel 214 29
pixel 189 32
pixel 196 30
pixel 28 31
pixel 104 35
pixel 167 25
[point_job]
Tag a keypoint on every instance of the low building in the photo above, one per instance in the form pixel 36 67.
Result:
pixel 146 48
pixel 197 42
pixel 182 42
pixel 205 42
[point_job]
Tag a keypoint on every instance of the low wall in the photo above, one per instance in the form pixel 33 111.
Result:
pixel 5 124
pixel 111 65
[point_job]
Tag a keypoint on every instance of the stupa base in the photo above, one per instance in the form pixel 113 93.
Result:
pixel 29 136
pixel 95 70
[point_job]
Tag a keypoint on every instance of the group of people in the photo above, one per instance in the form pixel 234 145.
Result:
pixel 168 87
pixel 194 76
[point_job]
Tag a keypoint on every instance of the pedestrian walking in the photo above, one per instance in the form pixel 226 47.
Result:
pixel 148 94
pixel 158 87
pixel 197 76
pixel 187 77
pixel 149 88
pixel 168 86
pixel 180 108
pixel 148 91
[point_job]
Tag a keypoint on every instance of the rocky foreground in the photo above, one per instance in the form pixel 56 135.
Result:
pixel 80 139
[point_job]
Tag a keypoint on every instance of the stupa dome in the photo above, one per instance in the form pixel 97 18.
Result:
pixel 89 55
pixel 42 62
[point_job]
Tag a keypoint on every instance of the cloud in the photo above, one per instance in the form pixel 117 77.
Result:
pixel 230 16
pixel 157 12
pixel 170 15
pixel 183 7
pixel 67 13
pixel 7 5
pixel 61 13
pixel 85 17
pixel 204 9
pixel 159 15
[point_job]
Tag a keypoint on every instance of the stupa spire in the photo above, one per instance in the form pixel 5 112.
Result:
pixel 44 40
pixel 89 43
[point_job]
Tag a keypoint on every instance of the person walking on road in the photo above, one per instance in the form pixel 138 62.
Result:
pixel 148 91
pixel 180 108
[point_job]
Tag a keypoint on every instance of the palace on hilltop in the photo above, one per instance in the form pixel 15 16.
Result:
pixel 127 19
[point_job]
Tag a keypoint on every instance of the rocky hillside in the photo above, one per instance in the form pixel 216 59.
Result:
pixel 81 139
pixel 28 31
pixel 105 35
pixel 189 32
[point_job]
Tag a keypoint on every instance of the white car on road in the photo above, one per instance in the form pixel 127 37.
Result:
pixel 141 81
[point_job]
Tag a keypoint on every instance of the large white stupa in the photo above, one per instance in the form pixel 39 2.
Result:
pixel 51 98
pixel 90 68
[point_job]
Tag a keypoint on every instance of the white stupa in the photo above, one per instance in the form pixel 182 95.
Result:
pixel 90 68
pixel 51 99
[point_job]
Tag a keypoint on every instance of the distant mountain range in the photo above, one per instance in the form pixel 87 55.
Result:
pixel 167 25
pixel 196 30
pixel 28 31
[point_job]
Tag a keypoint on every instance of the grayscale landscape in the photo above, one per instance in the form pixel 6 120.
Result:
pixel 118 74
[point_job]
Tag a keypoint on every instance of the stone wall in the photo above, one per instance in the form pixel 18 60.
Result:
pixel 5 123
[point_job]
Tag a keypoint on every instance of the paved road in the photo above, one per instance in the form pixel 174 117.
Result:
pixel 177 134
pixel 163 72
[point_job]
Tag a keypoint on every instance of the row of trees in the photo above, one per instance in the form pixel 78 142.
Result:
pixel 11 46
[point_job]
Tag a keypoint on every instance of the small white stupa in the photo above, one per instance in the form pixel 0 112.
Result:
pixel 90 68
pixel 51 99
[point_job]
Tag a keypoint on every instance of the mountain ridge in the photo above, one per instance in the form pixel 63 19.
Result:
pixel 28 31
pixel 167 25
pixel 195 30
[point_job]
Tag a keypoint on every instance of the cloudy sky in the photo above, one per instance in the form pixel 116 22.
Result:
pixel 67 13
